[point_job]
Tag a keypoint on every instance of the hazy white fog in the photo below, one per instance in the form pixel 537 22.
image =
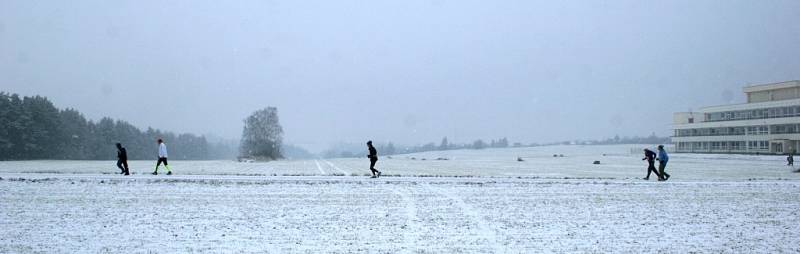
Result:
pixel 402 71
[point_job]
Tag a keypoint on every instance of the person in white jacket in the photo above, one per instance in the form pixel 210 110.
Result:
pixel 162 157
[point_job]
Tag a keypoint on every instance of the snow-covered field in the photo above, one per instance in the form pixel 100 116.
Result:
pixel 617 162
pixel 476 201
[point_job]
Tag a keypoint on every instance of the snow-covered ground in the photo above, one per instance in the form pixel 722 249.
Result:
pixel 617 162
pixel 481 201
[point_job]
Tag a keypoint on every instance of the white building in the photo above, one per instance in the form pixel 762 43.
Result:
pixel 769 123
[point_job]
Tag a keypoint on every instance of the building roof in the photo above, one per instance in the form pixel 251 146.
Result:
pixel 771 86
pixel 749 106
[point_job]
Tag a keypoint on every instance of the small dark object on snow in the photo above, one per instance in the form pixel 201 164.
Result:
pixel 441 159
pixel 413 158
pixel 423 158
pixel 560 155
pixel 388 157
pixel 596 162
pixel 555 155
pixel 520 159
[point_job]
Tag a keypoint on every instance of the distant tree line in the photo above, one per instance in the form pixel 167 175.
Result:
pixel 389 148
pixel 33 128
pixel 294 152
pixel 617 140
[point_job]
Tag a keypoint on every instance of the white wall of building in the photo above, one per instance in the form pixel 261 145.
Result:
pixel 782 98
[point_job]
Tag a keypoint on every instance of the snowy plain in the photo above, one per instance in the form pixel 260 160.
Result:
pixel 482 201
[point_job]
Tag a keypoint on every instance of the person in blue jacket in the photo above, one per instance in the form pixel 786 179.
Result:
pixel 663 158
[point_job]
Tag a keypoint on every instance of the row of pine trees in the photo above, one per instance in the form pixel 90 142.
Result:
pixel 33 128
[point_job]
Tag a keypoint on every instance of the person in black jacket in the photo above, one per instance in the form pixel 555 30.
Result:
pixel 373 158
pixel 122 159
pixel 650 156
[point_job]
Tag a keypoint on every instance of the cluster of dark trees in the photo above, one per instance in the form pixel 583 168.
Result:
pixel 262 136
pixel 33 128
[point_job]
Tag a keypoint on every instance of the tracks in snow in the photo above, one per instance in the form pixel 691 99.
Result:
pixel 485 229
pixel 412 228
pixel 336 168
pixel 319 167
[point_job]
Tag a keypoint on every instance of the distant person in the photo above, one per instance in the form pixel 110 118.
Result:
pixel 790 160
pixel 663 158
pixel 122 159
pixel 162 157
pixel 373 158
pixel 650 156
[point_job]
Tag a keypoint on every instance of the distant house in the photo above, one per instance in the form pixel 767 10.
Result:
pixel 769 123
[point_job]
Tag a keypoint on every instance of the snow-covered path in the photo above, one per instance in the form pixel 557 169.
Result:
pixel 99 213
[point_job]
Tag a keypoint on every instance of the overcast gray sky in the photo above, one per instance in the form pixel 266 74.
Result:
pixel 402 71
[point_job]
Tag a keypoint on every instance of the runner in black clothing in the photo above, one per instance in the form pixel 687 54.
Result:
pixel 122 159
pixel 650 156
pixel 373 158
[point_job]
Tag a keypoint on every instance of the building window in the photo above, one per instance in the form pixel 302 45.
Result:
pixel 738 145
pixel 752 114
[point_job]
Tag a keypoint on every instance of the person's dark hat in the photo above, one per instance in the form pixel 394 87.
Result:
pixel 369 142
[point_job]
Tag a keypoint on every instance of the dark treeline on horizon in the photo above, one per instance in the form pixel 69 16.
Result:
pixel 33 128
pixel 389 148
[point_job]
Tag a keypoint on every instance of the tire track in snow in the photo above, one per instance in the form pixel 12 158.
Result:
pixel 412 227
pixel 485 228
pixel 337 168
pixel 319 167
